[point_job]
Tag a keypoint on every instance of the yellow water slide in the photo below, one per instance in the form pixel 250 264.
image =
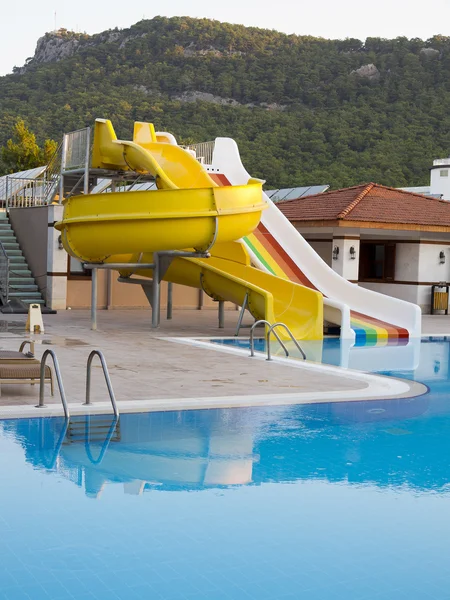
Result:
pixel 228 275
pixel 188 211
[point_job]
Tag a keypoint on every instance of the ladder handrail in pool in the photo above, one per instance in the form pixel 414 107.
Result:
pixel 289 332
pixel 252 334
pixel 58 379
pixel 99 353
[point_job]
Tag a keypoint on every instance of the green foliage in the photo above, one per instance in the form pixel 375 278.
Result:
pixel 297 110
pixel 22 152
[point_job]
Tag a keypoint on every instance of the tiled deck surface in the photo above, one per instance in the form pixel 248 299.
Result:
pixel 144 367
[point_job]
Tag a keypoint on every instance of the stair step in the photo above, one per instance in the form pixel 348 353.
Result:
pixel 77 427
pixel 26 295
pixel 32 301
pixel 13 253
pixel 11 245
pixel 6 234
pixel 20 281
pixel 16 259
pixel 23 287
pixel 19 276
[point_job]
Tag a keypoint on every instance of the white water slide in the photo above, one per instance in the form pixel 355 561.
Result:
pixel 341 297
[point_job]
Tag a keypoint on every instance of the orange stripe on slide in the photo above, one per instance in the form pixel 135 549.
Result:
pixel 283 258
pixel 220 179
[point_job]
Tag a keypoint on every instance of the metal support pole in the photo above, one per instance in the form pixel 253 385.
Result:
pixel 200 299
pixel 241 315
pixel 86 162
pixel 169 300
pixel 156 292
pixel 7 196
pixel 109 289
pixel 94 300
pixel 63 167
pixel 221 314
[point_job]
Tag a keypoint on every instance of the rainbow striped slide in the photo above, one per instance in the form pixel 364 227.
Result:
pixel 368 330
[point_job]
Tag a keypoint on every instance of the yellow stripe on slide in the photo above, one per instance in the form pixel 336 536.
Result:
pixel 381 332
pixel 252 242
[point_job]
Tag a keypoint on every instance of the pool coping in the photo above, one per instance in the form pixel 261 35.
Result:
pixel 377 387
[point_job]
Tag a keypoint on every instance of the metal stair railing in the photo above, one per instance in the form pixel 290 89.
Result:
pixel 269 332
pixel 4 275
pixel 252 337
pixel 58 378
pixel 99 353
pixel 52 176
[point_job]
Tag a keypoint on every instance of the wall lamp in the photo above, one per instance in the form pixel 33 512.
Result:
pixel 60 244
pixel 335 252
pixel 441 257
pixel 352 252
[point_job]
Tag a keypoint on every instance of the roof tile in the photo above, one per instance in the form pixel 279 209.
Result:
pixel 369 202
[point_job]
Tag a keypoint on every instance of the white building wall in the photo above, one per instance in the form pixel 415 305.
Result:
pixel 430 267
pixel 407 262
pixel 56 296
pixel 416 263
pixel 345 265
pixel 440 178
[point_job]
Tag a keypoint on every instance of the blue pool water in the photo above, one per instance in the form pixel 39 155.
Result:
pixel 329 501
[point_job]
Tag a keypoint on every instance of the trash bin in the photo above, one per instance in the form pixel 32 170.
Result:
pixel 439 298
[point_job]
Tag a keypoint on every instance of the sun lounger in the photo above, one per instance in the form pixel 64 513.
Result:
pixel 17 367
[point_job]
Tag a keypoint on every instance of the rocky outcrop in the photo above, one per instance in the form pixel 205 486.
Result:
pixel 205 97
pixel 58 45
pixel 192 50
pixel 367 72
pixel 430 52
pixel 53 47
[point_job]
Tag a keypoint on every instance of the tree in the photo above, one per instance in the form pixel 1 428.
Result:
pixel 22 151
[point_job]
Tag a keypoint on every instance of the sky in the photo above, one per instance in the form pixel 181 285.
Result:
pixel 25 21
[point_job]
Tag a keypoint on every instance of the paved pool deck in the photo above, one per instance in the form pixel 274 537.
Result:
pixel 161 370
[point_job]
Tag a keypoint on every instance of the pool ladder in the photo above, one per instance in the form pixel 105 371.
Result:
pixel 62 393
pixel 272 328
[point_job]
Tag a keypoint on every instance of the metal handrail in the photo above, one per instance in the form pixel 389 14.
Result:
pixel 58 378
pixel 252 333
pixel 4 274
pixel 99 353
pixel 271 329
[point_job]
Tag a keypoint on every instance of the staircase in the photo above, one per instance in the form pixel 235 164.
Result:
pixel 22 285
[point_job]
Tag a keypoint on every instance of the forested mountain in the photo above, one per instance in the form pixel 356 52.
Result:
pixel 303 110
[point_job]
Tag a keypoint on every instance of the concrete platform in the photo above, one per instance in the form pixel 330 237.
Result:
pixel 152 371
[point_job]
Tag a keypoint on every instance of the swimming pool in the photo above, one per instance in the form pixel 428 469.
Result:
pixel 345 500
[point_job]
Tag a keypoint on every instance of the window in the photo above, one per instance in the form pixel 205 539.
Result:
pixel 444 173
pixel 75 269
pixel 377 261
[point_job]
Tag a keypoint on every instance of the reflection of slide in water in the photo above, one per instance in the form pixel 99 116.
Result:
pixel 201 450
pixel 165 453
pixel 277 247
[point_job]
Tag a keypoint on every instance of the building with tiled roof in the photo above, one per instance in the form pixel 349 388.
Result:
pixel 385 239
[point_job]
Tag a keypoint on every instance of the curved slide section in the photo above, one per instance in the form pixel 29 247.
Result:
pixel 227 275
pixel 268 297
pixel 189 211
pixel 279 248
